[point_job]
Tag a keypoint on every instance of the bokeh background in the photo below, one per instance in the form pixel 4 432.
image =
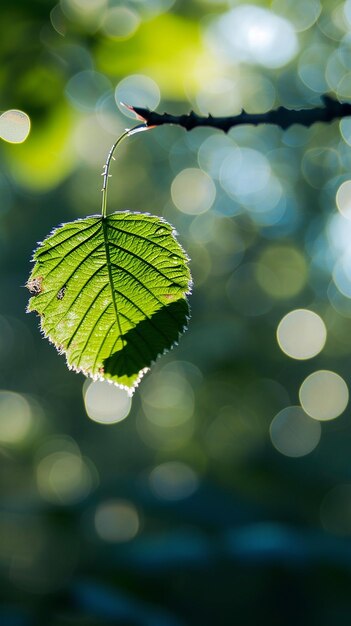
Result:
pixel 221 493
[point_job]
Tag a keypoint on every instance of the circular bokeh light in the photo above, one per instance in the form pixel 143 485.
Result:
pixel 193 191
pixel 301 334
pixel 14 126
pixel 343 199
pixel 105 403
pixel 116 521
pixel 324 395
pixel 293 433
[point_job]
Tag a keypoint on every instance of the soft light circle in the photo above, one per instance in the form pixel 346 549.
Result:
pixel 343 199
pixel 254 35
pixel 301 334
pixel 14 126
pixel 293 433
pixel 324 395
pixel 16 417
pixel 116 521
pixel 105 403
pixel 193 191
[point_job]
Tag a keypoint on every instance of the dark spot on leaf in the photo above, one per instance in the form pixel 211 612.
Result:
pixel 35 285
pixel 62 292
pixel 101 370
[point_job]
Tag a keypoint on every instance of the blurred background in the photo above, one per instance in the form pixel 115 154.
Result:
pixel 221 493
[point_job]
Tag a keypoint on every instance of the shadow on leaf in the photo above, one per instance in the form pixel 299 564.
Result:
pixel 146 341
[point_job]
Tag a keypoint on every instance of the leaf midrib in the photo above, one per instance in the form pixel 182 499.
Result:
pixel 110 278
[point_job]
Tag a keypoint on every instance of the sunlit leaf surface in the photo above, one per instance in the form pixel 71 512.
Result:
pixel 111 293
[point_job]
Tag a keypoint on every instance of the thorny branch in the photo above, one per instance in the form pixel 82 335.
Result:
pixel 331 110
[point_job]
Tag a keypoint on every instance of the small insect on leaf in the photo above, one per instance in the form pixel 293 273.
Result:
pixel 113 300
pixel 61 293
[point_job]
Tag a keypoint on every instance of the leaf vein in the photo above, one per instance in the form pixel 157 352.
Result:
pixel 64 258
pixel 41 252
pixel 143 238
pixel 93 329
pixel 140 258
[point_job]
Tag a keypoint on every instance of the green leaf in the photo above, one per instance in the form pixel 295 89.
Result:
pixel 111 293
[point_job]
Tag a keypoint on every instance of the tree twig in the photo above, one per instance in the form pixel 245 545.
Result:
pixel 331 110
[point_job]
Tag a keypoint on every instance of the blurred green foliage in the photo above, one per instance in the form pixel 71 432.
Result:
pixel 210 499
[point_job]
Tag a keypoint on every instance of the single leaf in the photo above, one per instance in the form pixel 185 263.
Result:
pixel 111 293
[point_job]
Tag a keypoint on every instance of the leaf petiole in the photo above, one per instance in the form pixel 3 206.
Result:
pixel 106 169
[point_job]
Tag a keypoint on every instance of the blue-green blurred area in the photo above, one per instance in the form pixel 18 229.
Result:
pixel 221 493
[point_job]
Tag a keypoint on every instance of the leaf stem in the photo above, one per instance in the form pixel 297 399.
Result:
pixel 106 175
